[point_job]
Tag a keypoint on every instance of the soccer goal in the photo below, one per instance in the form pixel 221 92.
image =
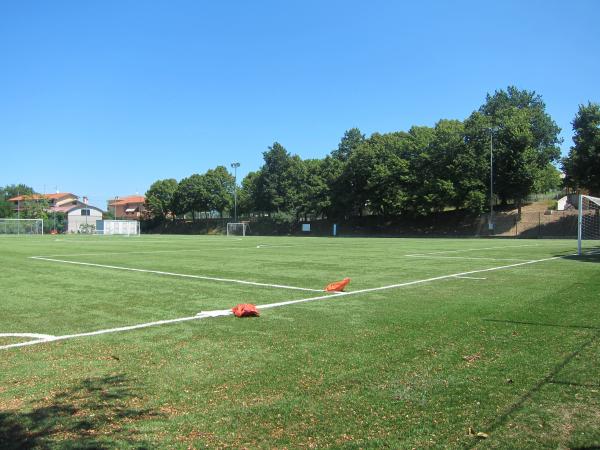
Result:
pixel 237 229
pixel 122 227
pixel 21 226
pixel 588 225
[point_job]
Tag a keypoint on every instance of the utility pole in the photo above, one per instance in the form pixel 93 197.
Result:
pixel 235 165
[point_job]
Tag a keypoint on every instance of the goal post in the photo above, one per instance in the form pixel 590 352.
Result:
pixel 588 223
pixel 237 228
pixel 21 226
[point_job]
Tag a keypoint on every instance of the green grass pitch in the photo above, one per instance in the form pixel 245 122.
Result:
pixel 500 337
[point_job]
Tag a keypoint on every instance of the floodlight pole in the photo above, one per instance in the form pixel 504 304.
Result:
pixel 235 165
pixel 491 220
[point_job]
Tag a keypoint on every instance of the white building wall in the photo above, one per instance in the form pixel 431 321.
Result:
pixel 75 219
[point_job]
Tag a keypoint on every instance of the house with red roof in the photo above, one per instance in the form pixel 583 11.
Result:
pixel 59 202
pixel 130 207
pixel 81 216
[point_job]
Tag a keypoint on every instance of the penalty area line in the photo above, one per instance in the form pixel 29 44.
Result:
pixel 221 313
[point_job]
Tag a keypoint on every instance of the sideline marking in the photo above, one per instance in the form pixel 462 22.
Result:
pixel 139 252
pixel 472 278
pixel 29 335
pixel 226 312
pixel 427 255
pixel 478 249
pixel 172 274
pixel 274 246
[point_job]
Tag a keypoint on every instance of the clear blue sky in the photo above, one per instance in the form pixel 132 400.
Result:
pixel 101 98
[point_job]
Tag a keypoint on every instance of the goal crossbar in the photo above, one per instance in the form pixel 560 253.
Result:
pixel 237 228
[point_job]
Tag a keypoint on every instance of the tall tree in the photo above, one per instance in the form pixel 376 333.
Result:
pixel 248 194
pixel 191 196
pixel 525 142
pixel 350 141
pixel 33 207
pixel 377 173
pixel 582 165
pixel 159 198
pixel 218 188
pixel 280 181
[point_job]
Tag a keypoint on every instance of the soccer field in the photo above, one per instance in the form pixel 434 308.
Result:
pixel 435 340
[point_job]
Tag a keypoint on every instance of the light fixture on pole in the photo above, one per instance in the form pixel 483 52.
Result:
pixel 492 130
pixel 235 165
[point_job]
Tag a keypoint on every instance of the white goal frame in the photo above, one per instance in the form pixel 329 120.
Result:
pixel 118 227
pixel 232 225
pixel 21 226
pixel 588 221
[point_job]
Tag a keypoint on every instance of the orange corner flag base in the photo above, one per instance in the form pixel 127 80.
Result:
pixel 245 310
pixel 337 286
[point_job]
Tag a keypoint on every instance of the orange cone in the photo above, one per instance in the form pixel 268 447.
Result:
pixel 337 286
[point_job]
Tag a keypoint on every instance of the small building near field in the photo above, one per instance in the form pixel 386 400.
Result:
pixel 82 218
pixel 130 207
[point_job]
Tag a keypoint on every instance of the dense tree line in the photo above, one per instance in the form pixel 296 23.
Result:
pixel 415 172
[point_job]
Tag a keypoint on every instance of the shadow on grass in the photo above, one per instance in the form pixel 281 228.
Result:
pixel 589 255
pixel 91 415
pixel 542 324
pixel 501 419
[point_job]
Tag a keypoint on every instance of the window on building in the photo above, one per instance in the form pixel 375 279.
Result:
pixel 85 212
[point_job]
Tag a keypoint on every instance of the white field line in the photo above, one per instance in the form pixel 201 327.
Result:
pixel 173 274
pixel 472 278
pixel 274 246
pixel 219 313
pixel 137 252
pixel 430 256
pixel 479 249
pixel 28 335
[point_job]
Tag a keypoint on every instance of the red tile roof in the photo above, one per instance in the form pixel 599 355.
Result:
pixel 56 196
pixel 127 200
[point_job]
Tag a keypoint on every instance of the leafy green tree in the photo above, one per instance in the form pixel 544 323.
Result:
pixel 525 142
pixel 11 191
pixel 15 190
pixel 218 188
pixel 459 167
pixel 350 141
pixel 159 198
pixel 377 174
pixel 34 208
pixel 279 185
pixel 248 193
pixel 315 194
pixel 191 196
pixel 548 179
pixel 582 165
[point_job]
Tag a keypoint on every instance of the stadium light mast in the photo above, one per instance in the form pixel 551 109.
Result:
pixel 492 130
pixel 235 165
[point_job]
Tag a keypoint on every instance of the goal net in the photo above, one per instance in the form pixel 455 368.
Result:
pixel 123 227
pixel 237 229
pixel 21 226
pixel 588 228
